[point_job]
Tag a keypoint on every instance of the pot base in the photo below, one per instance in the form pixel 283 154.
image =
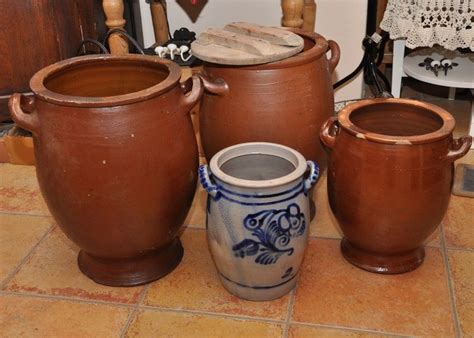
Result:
pixel 312 209
pixel 259 294
pixel 371 262
pixel 131 271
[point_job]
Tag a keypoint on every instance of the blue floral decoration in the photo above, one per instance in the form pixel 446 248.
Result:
pixel 273 230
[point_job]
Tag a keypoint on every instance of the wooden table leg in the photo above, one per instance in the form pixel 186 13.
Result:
pixel 292 13
pixel 113 10
pixel 309 15
pixel 160 26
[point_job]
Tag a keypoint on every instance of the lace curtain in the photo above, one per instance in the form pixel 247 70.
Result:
pixel 423 23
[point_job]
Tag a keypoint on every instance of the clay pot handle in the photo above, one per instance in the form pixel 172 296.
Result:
pixel 329 132
pixel 205 180
pixel 195 92
pixel 335 54
pixel 313 175
pixel 216 86
pixel 27 118
pixel 459 148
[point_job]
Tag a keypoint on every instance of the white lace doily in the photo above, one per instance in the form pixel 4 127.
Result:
pixel 423 23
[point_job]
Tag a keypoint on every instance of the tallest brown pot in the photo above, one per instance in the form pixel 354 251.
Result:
pixel 282 102
pixel 116 160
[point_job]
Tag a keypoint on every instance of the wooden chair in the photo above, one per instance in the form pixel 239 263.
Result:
pixel 299 14
pixel 296 14
pixel 113 10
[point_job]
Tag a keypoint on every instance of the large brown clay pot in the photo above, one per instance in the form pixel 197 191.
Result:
pixel 283 102
pixel 116 160
pixel 390 173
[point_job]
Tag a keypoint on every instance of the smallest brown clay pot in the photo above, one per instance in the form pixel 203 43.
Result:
pixel 390 174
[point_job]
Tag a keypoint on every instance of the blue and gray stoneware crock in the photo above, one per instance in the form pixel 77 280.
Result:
pixel 258 217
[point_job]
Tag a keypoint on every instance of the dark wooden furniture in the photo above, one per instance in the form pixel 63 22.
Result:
pixel 36 33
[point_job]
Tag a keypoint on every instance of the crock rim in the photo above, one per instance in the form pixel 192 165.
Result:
pixel 444 131
pixel 298 172
pixel 42 92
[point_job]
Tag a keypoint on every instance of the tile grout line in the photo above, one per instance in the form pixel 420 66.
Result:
pixel 194 227
pixel 126 326
pixel 136 308
pixel 134 313
pixel 353 329
pixel 452 295
pixel 213 314
pixel 72 299
pixel 19 213
pixel 140 307
pixel 143 294
pixel 459 249
pixel 10 276
pixel 289 312
pixel 289 321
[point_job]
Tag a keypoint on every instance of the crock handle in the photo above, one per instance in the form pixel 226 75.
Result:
pixel 335 54
pixel 27 119
pixel 205 180
pixel 216 86
pixel 195 92
pixel 329 132
pixel 313 175
pixel 459 147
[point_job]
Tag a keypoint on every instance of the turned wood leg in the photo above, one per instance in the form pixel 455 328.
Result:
pixel 113 10
pixel 158 16
pixel 292 13
pixel 309 15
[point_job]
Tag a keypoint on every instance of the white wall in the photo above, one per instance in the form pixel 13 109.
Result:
pixel 340 20
pixel 344 21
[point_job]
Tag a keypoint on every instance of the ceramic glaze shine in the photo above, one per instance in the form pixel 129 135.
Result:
pixel 258 217
pixel 389 179
pixel 257 167
pixel 93 116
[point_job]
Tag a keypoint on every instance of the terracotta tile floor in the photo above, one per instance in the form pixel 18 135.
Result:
pixel 42 292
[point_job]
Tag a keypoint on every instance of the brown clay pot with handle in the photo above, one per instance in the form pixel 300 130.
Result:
pixel 390 173
pixel 283 102
pixel 116 160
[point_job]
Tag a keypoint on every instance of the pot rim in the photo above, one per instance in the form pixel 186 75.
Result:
pixel 320 47
pixel 346 123
pixel 264 148
pixel 40 90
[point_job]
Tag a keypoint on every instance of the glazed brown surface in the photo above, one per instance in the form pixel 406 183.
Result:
pixel 389 179
pixel 283 102
pixel 118 173
pixel 396 120
pixel 105 79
